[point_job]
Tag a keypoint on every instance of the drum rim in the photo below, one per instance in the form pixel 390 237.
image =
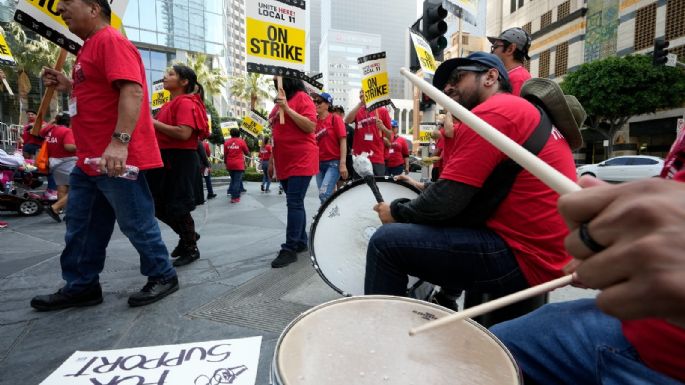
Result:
pixel 322 209
pixel 275 370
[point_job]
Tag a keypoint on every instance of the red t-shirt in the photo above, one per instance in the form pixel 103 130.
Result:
pixel 28 138
pixel 184 110
pixel 295 152
pixel 57 136
pixel 329 131
pixel 265 153
pixel 448 143
pixel 397 151
pixel 440 149
pixel 661 345
pixel 518 76
pixel 234 150
pixel 105 58
pixel 527 219
pixel 367 136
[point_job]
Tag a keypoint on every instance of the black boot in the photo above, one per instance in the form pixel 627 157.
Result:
pixel 153 291
pixel 61 300
pixel 188 256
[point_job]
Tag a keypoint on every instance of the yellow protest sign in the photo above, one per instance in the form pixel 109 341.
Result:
pixel 5 53
pixel 42 17
pixel 425 132
pixel 375 80
pixel 253 124
pixel 276 38
pixel 160 96
pixel 226 128
pixel 423 53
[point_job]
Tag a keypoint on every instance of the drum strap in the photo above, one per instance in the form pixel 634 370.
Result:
pixel 498 185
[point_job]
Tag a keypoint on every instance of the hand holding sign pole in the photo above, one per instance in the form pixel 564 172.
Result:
pixel 281 94
pixel 47 97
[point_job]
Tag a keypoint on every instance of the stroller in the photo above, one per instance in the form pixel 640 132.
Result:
pixel 16 179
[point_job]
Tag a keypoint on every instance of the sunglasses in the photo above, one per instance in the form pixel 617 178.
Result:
pixel 318 101
pixel 494 47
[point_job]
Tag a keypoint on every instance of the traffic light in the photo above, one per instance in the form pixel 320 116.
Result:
pixel 425 102
pixel 434 27
pixel 660 52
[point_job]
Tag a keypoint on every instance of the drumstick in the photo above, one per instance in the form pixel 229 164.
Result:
pixel 543 171
pixel 363 166
pixel 495 304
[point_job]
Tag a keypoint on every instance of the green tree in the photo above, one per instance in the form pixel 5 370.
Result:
pixel 615 89
pixel 212 79
pixel 251 87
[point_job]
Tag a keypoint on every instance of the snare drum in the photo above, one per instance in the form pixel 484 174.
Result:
pixel 365 340
pixel 342 228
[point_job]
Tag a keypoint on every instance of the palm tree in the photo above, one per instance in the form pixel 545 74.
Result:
pixel 251 87
pixel 212 79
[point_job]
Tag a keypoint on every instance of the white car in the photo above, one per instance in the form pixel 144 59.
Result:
pixel 624 168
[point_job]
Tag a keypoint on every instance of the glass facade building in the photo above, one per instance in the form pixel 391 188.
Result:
pixel 189 25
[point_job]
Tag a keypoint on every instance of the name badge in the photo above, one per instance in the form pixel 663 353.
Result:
pixel 73 110
pixel 368 137
pixel 392 151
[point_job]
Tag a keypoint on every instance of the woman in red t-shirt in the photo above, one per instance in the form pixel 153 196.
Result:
pixel 331 137
pixel 177 187
pixel 62 158
pixel 264 156
pixel 235 150
pixel 296 160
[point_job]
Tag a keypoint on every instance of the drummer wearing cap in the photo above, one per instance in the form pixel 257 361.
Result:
pixel 450 235
pixel 511 46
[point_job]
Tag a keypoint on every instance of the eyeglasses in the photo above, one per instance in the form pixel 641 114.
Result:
pixel 494 47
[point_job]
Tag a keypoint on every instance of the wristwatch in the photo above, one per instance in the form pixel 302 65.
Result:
pixel 122 137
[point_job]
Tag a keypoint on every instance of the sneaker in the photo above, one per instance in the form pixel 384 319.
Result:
pixel 262 188
pixel 153 291
pixel 284 258
pixel 190 256
pixel 211 196
pixel 235 200
pixel 61 300
pixel 3 224
pixel 50 195
pixel 180 248
pixel 53 214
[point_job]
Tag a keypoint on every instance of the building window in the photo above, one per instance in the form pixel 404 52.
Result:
pixel 513 6
pixel 543 72
pixel 465 39
pixel 645 24
pixel 675 19
pixel 564 10
pixel 528 27
pixel 561 62
pixel 546 19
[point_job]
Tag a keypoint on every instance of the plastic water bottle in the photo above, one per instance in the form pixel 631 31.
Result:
pixel 130 172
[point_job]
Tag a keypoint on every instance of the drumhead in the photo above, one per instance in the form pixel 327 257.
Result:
pixel 342 228
pixel 365 340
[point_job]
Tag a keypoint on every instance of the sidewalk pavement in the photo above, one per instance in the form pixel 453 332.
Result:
pixel 231 292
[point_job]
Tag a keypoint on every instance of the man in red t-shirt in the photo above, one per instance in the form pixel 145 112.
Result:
pixel 31 143
pixel 370 127
pixel 111 120
pixel 519 244
pixel 61 152
pixel 396 153
pixel 627 241
pixel 511 46
pixel 235 150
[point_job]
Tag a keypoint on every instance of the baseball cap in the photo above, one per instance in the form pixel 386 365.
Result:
pixel 394 123
pixel 474 62
pixel 516 36
pixel 326 97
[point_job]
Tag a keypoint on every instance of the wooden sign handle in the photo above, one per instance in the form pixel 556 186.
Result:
pixel 281 93
pixel 45 102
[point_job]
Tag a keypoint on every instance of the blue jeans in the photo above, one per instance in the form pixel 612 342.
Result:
pixel 575 343
pixel 236 183
pixel 208 183
pixel 392 171
pixel 295 189
pixel 329 173
pixel 266 181
pixel 95 203
pixel 454 258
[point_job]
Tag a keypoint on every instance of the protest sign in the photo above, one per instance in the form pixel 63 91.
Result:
pixel 6 57
pixel 42 17
pixel 425 131
pixel 201 363
pixel 375 80
pixel 226 128
pixel 465 9
pixel 276 38
pixel 253 124
pixel 423 53
pixel 160 96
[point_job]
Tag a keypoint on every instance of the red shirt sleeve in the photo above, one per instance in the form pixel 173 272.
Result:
pixel 339 127
pixel 405 149
pixel 243 144
pixel 119 60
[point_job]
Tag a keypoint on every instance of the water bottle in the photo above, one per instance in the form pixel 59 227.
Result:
pixel 130 172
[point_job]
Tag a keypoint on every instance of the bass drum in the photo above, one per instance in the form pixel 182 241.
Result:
pixel 341 231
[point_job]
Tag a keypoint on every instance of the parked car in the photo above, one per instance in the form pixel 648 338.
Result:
pixel 624 168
